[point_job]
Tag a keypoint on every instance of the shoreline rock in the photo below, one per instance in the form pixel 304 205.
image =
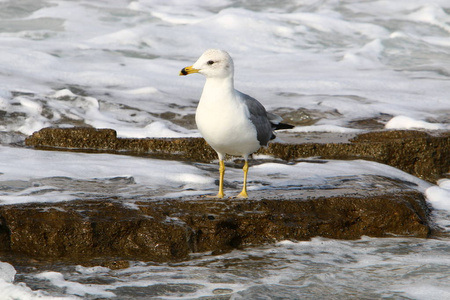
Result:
pixel 170 230
pixel 109 232
pixel 416 152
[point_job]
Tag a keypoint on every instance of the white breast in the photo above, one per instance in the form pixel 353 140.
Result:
pixel 223 120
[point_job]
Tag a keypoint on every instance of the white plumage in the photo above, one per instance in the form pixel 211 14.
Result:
pixel 231 122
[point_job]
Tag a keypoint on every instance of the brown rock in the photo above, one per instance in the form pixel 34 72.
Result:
pixel 82 231
pixel 75 138
pixel 418 153
pixel 105 231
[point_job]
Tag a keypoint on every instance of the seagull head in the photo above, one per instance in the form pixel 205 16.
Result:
pixel 213 63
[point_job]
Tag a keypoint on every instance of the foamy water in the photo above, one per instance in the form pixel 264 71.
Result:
pixel 115 64
pixel 391 268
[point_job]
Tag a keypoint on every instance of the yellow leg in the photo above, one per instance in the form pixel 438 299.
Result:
pixel 220 194
pixel 243 193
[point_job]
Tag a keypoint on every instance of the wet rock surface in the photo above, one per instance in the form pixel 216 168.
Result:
pixel 418 153
pixel 111 230
pixel 107 231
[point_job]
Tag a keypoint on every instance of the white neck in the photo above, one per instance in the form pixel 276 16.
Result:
pixel 214 85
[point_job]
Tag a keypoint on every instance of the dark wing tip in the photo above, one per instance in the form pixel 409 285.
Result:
pixel 280 126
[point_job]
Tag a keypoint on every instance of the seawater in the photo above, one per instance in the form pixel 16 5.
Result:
pixel 115 64
pixel 390 268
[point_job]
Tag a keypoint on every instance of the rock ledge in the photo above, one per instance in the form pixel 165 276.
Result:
pixel 170 230
pixel 418 153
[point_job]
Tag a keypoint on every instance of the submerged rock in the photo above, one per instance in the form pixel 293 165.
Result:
pixel 418 153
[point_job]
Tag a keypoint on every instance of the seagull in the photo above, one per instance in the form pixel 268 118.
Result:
pixel 231 122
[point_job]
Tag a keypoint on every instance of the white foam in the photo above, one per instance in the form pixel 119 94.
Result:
pixel 127 57
pixel 29 167
pixel 388 267
pixel 91 270
pixel 9 290
pixel 29 195
pixel 75 288
pixel 425 291
pixel 155 130
pixel 323 128
pixel 366 57
pixel 7 272
pixel 432 14
pixel 63 93
pixel 439 196
pixel 39 175
pixel 404 122
pixel 144 91
pixel 306 173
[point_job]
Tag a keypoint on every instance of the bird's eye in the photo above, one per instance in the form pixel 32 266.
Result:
pixel 210 62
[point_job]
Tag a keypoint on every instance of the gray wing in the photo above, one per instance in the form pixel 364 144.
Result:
pixel 261 119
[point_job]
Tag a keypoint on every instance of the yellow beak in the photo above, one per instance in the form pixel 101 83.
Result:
pixel 188 70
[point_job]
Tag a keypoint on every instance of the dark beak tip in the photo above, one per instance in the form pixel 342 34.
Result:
pixel 183 72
